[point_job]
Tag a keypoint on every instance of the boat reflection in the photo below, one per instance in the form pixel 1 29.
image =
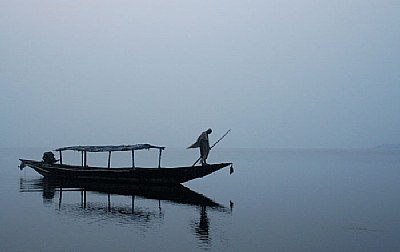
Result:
pixel 178 194
pixel 123 212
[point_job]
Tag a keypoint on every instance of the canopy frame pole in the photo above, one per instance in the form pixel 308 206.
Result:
pixel 82 158
pixel 60 153
pixel 85 159
pixel 133 159
pixel 159 158
pixel 109 159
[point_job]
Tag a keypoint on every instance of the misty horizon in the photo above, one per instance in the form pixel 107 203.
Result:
pixel 293 74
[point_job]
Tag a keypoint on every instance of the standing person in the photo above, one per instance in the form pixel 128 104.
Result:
pixel 204 145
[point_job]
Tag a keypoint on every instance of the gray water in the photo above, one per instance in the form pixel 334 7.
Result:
pixel 276 200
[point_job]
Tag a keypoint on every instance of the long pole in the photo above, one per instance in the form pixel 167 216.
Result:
pixel 226 133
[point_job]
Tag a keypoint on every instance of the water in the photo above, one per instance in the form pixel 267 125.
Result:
pixel 277 200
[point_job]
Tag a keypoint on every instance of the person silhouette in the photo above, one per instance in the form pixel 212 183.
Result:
pixel 204 145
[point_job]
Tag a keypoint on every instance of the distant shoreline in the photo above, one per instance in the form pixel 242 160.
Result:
pixel 388 147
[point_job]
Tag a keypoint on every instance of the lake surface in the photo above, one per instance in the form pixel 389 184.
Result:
pixel 276 200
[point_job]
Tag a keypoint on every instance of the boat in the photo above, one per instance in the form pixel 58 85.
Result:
pixel 50 167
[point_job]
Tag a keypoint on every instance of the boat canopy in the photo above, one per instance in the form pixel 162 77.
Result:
pixel 109 148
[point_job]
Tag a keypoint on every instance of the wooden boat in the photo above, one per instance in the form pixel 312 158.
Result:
pixel 138 175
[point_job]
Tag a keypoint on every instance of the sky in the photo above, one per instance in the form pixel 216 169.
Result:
pixel 280 74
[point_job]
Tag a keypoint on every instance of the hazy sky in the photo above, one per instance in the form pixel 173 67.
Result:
pixel 281 74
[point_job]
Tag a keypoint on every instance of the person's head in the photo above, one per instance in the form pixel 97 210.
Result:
pixel 209 131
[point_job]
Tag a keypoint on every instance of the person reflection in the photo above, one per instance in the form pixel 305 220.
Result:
pixel 202 227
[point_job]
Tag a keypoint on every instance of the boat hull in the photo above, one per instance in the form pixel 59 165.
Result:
pixel 138 175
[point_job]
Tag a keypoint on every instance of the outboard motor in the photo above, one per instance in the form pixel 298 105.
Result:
pixel 48 158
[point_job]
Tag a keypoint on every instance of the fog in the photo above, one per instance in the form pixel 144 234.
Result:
pixel 280 74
